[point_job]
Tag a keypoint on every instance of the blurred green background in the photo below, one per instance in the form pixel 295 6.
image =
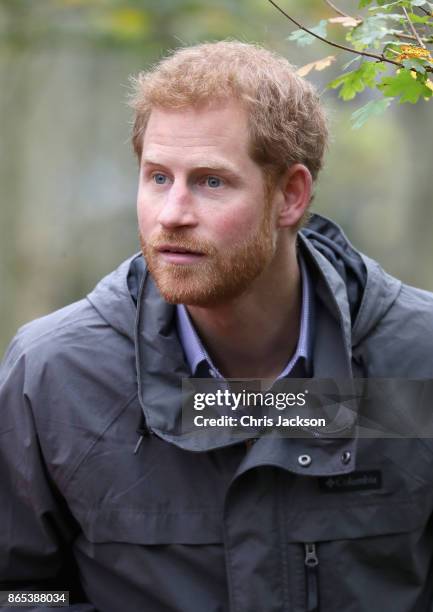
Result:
pixel 68 176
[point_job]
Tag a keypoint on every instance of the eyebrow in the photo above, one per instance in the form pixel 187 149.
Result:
pixel 207 164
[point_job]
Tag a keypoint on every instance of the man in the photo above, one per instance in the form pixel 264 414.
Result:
pixel 102 494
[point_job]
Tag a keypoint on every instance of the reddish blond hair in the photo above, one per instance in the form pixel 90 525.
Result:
pixel 287 122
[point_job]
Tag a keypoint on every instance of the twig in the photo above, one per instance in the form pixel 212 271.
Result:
pixel 412 27
pixel 337 10
pixel 405 36
pixel 380 58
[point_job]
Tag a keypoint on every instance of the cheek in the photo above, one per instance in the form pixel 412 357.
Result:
pixel 145 213
pixel 142 217
pixel 236 225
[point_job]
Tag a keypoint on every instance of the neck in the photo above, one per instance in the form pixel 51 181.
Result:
pixel 254 335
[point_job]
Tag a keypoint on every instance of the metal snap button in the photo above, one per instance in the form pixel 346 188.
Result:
pixel 304 460
pixel 346 457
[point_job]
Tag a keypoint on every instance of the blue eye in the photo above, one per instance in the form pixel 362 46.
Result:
pixel 159 178
pixel 213 182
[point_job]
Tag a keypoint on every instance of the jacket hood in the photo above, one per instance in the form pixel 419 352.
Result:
pixel 114 297
pixel 363 291
pixel 370 291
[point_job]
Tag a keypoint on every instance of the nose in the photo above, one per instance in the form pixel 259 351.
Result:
pixel 177 209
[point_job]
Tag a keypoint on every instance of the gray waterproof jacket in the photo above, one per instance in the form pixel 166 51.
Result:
pixel 211 526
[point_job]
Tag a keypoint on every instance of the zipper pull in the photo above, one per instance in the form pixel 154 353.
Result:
pixel 311 561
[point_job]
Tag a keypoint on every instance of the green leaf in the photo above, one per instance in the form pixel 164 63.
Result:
pixel 391 16
pixel 389 46
pixel 374 107
pixel 363 3
pixel 405 3
pixel 415 64
pixel 354 82
pixel 385 6
pixel 418 19
pixel 369 32
pixel 403 84
pixel 302 38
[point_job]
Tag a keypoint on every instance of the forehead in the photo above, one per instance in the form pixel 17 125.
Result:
pixel 212 131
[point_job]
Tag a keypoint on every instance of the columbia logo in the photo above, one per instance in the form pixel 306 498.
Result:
pixel 356 481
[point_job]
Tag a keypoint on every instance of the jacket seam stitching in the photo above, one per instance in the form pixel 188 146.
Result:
pixel 50 333
pixel 384 502
pixel 86 452
pixel 378 322
pixel 88 299
pixel 137 510
pixel 283 531
pixel 232 589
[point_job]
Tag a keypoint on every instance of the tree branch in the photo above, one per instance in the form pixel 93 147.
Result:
pixel 412 27
pixel 405 36
pixel 337 10
pixel 380 58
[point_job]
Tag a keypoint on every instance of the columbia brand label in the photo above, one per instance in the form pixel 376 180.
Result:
pixel 356 481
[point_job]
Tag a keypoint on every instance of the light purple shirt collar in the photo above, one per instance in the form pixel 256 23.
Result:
pixel 196 353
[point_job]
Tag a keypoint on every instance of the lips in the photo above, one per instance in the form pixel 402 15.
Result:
pixel 175 249
pixel 174 254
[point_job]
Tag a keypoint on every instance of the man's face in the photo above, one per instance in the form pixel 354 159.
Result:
pixel 205 221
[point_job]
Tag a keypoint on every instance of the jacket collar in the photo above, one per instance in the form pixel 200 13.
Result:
pixel 333 321
pixel 161 366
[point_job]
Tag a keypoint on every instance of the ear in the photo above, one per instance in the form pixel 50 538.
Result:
pixel 294 195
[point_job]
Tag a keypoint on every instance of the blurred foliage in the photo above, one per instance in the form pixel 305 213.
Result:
pixel 388 35
pixel 124 23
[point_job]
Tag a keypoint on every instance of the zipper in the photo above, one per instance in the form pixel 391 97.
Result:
pixel 311 562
